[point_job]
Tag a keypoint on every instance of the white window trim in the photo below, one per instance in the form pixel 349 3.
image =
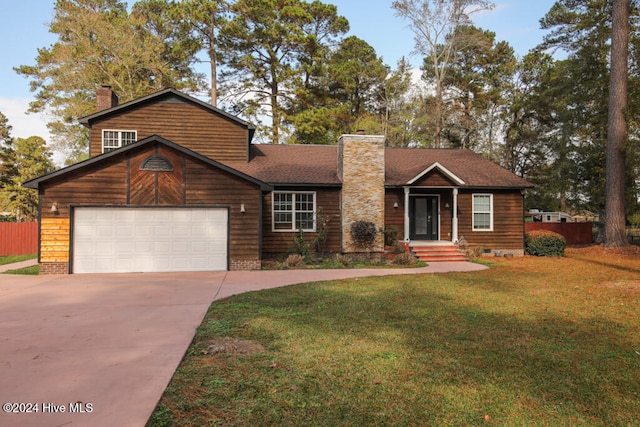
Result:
pixel 120 131
pixel 473 212
pixel 293 212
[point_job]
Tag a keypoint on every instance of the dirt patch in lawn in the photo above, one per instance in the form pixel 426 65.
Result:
pixel 234 346
pixel 627 257
pixel 602 251
pixel 624 285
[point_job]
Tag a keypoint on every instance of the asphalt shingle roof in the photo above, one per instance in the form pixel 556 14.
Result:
pixel 317 165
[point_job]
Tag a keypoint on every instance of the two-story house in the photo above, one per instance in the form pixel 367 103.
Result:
pixel 175 184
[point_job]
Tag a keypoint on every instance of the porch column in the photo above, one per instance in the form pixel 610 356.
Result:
pixel 406 213
pixel 454 221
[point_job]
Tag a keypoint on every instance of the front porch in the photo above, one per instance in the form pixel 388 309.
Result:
pixel 430 215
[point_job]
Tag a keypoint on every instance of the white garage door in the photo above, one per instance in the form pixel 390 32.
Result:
pixel 122 240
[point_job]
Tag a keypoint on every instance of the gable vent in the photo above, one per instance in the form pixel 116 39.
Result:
pixel 156 163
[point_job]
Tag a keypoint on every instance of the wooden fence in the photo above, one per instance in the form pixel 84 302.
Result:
pixel 18 238
pixel 576 233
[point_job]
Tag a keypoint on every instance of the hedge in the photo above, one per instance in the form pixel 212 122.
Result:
pixel 544 243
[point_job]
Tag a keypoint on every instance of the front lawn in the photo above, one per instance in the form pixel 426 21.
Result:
pixel 16 258
pixel 530 342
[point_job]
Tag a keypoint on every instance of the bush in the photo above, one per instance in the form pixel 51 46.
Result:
pixel 473 252
pixel 406 258
pixel 391 235
pixel 298 245
pixel 363 234
pixel 544 243
pixel 295 260
pixel 344 260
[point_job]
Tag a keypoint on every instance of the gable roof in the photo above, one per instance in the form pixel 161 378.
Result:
pixel 403 164
pixel 318 165
pixel 34 183
pixel 437 166
pixel 166 94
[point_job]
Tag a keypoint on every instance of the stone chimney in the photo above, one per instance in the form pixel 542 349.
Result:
pixel 361 169
pixel 105 98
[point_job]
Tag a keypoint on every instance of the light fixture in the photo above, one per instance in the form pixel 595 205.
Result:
pixel 242 208
pixel 395 205
pixel 54 207
pixel 446 205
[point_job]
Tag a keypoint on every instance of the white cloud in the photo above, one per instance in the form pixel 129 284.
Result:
pixel 24 125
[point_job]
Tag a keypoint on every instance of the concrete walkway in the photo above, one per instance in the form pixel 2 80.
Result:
pixel 99 350
pixel 18 265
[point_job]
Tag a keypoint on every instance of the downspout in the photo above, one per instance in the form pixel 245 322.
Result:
pixel 454 220
pixel 406 214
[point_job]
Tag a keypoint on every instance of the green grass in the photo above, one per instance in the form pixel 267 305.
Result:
pixel 33 270
pixel 530 342
pixel 16 258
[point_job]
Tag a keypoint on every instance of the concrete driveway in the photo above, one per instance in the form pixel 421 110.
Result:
pixel 99 350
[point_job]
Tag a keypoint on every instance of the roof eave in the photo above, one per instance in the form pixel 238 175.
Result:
pixel 35 183
pixel 87 119
pixel 438 166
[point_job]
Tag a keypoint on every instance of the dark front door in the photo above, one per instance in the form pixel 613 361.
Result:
pixel 423 218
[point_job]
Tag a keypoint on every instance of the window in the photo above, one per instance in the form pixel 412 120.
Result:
pixel 294 211
pixel 114 139
pixel 483 212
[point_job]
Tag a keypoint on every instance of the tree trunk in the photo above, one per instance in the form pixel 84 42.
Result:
pixel 213 61
pixel 438 116
pixel 214 77
pixel 615 232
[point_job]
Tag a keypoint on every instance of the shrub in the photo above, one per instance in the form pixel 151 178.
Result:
pixel 363 234
pixel 398 248
pixel 473 252
pixel 391 236
pixel 298 245
pixel 544 243
pixel 406 258
pixel 294 260
pixel 337 261
pixel 322 232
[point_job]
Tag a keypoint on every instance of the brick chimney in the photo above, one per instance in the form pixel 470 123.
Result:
pixel 361 169
pixel 105 98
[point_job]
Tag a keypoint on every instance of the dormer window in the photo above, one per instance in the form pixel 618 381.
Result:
pixel 114 139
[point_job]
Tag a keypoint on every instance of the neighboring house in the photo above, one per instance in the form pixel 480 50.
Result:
pixel 175 184
pixel 540 216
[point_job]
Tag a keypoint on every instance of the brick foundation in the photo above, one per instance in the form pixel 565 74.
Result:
pixel 244 264
pixel 234 265
pixel 505 252
pixel 54 268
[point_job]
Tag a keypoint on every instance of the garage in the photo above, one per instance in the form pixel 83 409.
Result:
pixel 127 240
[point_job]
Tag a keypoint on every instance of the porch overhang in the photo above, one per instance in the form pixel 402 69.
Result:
pixel 443 170
pixel 407 214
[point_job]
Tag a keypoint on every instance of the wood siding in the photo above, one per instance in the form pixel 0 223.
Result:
pixel 434 178
pixel 157 187
pixel 327 203
pixel 508 220
pixel 120 182
pixel 394 216
pixel 209 187
pixel 103 185
pixel 187 124
pixel 54 240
